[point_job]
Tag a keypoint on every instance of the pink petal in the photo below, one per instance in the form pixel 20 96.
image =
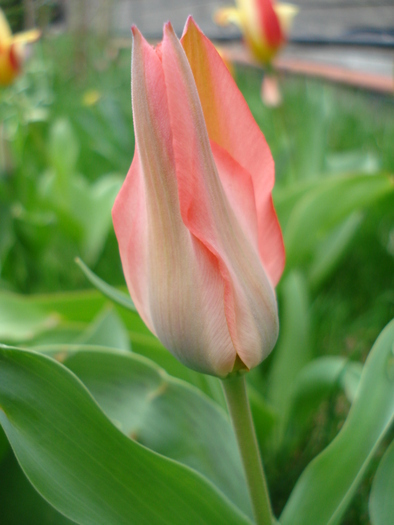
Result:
pixel 231 125
pixel 249 299
pixel 173 279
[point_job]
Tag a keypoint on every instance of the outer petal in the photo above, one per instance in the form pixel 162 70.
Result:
pixel 27 37
pixel 286 13
pixel 173 279
pixel 270 28
pixel 228 15
pixel 9 64
pixel 231 125
pixel 249 299
pixel 5 30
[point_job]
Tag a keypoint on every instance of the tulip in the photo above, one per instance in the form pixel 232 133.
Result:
pixel 12 50
pixel 263 23
pixel 199 240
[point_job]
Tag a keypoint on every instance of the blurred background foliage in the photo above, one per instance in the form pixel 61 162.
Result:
pixel 66 143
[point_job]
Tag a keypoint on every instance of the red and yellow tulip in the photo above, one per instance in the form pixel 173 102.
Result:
pixel 12 50
pixel 264 24
pixel 199 239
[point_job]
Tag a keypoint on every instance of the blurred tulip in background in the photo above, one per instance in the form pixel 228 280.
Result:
pixel 265 26
pixel 12 50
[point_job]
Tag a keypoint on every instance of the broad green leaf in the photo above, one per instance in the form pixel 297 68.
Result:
pixel 108 330
pixel 77 307
pixel 293 350
pixel 162 413
pixel 381 501
pixel 20 503
pixel 327 485
pixel 64 317
pixel 109 291
pixel 87 468
pixel 22 320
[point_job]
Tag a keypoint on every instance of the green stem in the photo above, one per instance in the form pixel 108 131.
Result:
pixel 238 404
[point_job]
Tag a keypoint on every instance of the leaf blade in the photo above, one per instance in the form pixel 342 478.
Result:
pixel 83 465
pixel 328 483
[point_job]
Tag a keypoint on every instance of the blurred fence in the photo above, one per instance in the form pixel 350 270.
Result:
pixel 361 22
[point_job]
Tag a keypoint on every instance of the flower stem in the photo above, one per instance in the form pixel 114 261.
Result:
pixel 238 404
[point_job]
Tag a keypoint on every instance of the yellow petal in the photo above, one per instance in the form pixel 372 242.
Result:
pixel 27 37
pixel 286 13
pixel 228 15
pixel 5 30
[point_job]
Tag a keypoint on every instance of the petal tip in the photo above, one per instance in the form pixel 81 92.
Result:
pixel 135 32
pixel 168 28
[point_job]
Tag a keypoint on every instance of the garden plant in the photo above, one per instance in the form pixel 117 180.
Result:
pixel 246 373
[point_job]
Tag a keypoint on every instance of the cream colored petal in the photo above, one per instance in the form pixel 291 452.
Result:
pixel 229 15
pixel 5 30
pixel 286 14
pixel 26 37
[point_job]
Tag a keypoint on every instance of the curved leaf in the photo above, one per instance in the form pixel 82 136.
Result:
pixel 381 501
pixel 83 465
pixel 20 503
pixel 293 350
pixel 324 207
pixel 328 483
pixel 317 380
pixel 109 291
pixel 162 413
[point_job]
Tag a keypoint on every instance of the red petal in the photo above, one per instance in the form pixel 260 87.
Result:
pixel 269 23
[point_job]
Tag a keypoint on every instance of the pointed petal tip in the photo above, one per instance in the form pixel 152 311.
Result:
pixel 189 21
pixel 168 28
pixel 191 24
pixel 135 31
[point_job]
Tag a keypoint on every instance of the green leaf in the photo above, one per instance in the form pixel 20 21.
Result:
pixel 163 414
pixel 106 330
pixel 327 485
pixel 381 501
pixel 90 205
pixel 329 252
pixel 63 151
pixel 293 350
pixel 63 318
pixel 3 445
pixel 109 291
pixel 21 320
pixel 20 503
pixel 317 380
pixel 325 206
pixel 84 466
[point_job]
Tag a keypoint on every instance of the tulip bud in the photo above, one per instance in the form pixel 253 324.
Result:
pixel 199 240
pixel 264 24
